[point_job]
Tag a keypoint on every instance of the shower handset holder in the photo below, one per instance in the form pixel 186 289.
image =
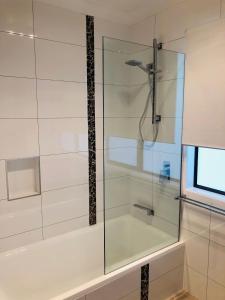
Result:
pixel 154 70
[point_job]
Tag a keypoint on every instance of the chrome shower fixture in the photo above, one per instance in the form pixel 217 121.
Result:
pixel 151 69
pixel 139 64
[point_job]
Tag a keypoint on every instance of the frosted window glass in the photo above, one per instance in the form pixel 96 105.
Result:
pixel 211 168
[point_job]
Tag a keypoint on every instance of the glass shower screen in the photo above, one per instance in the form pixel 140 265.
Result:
pixel 142 160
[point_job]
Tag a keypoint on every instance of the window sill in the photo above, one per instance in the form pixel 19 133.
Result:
pixel 205 197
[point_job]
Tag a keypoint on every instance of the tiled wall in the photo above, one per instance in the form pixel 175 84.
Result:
pixel 201 231
pixel 47 77
pixel 43 112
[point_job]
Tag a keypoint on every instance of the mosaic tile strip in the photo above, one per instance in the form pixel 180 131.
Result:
pixel 145 282
pixel 91 117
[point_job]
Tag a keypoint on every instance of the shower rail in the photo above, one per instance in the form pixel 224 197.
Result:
pixel 209 207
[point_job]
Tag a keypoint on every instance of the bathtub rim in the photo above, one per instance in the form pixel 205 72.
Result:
pixel 105 279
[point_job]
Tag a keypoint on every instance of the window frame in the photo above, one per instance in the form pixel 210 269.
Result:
pixel 195 178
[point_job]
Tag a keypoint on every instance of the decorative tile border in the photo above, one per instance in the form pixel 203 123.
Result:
pixel 145 282
pixel 91 117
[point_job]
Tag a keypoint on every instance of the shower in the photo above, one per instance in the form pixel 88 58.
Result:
pixel 139 64
pixel 151 70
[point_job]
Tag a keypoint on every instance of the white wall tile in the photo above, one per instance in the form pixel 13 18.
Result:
pixel 19 138
pixel 66 226
pixel 223 8
pixel 99 195
pixel 16 16
pixel 140 190
pixel 98 66
pixel 115 69
pixel 99 132
pixel 57 99
pixel 18 98
pixel 195 283
pixel 167 129
pixel 20 240
pixel 196 220
pixel 98 100
pixel 3 187
pixel 215 291
pixel 178 45
pixel 170 98
pixel 217 227
pixel 65 204
pixel 132 296
pixel 167 262
pixel 56 23
pixel 164 203
pixel 69 225
pixel 172 23
pixel 64 170
pixel 122 101
pixel 116 190
pixel 20 215
pixel 63 135
pixel 196 251
pixel 126 128
pixel 20 62
pixel 118 288
pixel 143 32
pixel 117 211
pixel 217 263
pixel 109 29
pixel 60 61
pixel 167 285
pixel 171 65
pixel 167 227
pixel 99 165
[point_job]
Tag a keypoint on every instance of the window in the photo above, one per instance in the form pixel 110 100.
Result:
pixel 209 169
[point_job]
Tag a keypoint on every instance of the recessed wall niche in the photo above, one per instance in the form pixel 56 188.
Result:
pixel 23 177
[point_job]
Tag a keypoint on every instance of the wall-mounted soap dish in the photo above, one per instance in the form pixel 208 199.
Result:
pixel 23 177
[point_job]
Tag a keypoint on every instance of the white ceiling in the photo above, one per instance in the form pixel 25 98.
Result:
pixel 122 11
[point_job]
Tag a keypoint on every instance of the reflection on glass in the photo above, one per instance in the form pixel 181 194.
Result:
pixel 140 176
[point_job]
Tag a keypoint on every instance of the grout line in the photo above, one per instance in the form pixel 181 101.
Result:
pixel 20 233
pixel 196 271
pixel 38 125
pixel 211 241
pixel 174 40
pixel 44 118
pixel 35 37
pixel 44 79
pixel 166 273
pixel 86 215
pixel 85 82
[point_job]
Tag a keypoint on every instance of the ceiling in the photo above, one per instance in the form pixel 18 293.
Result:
pixel 122 11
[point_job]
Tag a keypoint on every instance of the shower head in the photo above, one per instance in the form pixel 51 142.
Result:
pixel 133 63
pixel 139 64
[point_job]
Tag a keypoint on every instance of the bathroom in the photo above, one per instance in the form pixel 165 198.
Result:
pixel 112 121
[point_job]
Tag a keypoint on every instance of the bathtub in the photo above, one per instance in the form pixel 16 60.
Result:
pixel 73 264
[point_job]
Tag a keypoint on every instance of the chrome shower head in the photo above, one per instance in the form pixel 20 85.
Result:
pixel 133 63
pixel 139 64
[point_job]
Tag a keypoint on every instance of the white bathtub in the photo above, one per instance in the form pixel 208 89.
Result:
pixel 73 264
